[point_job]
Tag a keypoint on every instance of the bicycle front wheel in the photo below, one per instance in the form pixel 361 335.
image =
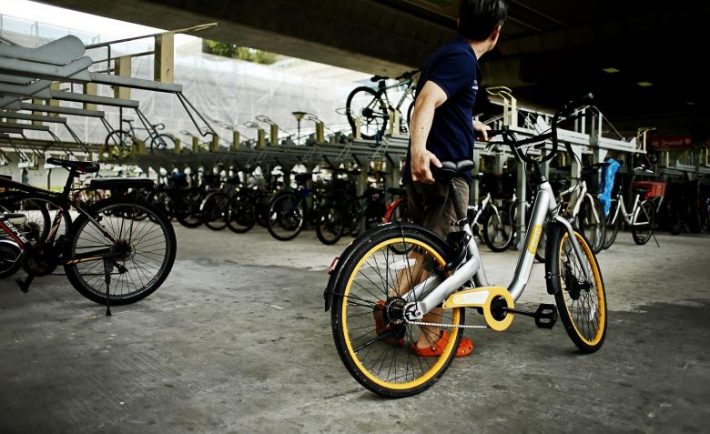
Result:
pixel 364 104
pixel 581 302
pixel 330 227
pixel 371 335
pixel 140 253
pixel 286 216
pixel 215 211
pixel 642 224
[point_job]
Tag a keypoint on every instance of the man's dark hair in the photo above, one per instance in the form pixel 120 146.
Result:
pixel 478 18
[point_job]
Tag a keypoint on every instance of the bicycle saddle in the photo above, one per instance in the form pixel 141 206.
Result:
pixel 76 166
pixel 377 78
pixel 450 169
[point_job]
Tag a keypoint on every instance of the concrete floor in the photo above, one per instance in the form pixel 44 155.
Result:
pixel 237 341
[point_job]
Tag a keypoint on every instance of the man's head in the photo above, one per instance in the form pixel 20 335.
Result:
pixel 481 20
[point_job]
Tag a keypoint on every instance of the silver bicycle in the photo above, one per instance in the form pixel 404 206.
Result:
pixel 399 286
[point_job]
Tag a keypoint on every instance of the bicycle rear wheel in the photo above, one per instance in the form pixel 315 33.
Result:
pixel 10 258
pixel 120 144
pixel 242 212
pixel 363 103
pixel 591 222
pixel 613 221
pixel 215 210
pixel 142 252
pixel 286 216
pixel 498 230
pixel 642 223
pixel 371 336
pixel 581 302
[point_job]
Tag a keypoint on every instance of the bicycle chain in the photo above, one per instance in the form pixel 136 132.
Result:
pixel 437 324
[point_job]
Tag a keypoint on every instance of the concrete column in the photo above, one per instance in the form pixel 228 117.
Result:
pixel 123 68
pixel 90 89
pixel 164 67
pixel 235 140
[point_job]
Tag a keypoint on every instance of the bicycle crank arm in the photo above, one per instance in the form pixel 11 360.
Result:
pixel 545 315
pixel 492 300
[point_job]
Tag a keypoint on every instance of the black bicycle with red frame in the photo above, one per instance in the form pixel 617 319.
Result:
pixel 116 251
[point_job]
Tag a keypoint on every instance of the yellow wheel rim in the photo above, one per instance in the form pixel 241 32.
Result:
pixel 453 331
pixel 598 288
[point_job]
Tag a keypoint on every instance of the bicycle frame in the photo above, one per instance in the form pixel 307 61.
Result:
pixel 384 88
pixel 629 218
pixel 544 207
pixel 63 204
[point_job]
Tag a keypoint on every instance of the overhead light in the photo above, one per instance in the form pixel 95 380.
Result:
pixel 645 83
pixel 611 70
pixel 690 103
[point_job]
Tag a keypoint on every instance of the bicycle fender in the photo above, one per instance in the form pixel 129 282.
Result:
pixel 554 232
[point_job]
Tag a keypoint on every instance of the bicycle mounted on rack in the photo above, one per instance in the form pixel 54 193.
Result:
pixel 416 286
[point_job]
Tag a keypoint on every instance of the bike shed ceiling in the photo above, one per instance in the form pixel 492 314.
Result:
pixel 641 59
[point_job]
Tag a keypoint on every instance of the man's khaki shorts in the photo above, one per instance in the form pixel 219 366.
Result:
pixel 431 206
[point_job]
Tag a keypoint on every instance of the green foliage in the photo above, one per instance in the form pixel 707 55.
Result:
pixel 236 52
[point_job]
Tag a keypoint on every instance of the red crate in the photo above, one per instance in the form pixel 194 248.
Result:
pixel 655 188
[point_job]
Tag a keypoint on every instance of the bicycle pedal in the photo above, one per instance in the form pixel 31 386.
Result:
pixel 546 316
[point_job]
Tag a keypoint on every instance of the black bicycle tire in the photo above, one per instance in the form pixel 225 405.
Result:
pixel 586 228
pixel 486 237
pixel 99 296
pixel 242 225
pixel 125 146
pixel 167 139
pixel 299 203
pixel 330 211
pixel 613 221
pixel 647 207
pixel 46 219
pixel 209 202
pixel 11 250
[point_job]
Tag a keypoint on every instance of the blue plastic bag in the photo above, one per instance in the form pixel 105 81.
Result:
pixel 610 168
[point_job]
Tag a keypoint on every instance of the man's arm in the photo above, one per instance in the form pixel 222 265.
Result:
pixel 429 98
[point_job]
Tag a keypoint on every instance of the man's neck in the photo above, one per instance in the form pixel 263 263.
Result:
pixel 479 48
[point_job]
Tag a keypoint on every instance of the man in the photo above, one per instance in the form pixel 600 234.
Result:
pixel 442 130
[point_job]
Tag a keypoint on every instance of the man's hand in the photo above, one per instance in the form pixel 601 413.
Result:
pixel 481 128
pixel 421 169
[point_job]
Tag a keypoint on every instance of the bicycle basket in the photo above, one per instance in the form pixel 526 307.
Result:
pixel 655 188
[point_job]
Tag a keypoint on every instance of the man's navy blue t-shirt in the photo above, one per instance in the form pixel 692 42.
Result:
pixel 454 68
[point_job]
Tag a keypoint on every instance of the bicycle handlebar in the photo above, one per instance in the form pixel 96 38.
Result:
pixel 565 113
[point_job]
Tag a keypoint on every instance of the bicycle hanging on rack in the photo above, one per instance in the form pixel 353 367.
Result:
pixel 373 107
pixel 124 140
pixel 382 300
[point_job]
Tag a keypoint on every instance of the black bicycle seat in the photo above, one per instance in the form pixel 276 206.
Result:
pixel 450 170
pixel 377 78
pixel 76 166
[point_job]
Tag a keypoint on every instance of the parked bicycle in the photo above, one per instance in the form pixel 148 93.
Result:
pixel 122 141
pixel 371 108
pixel 382 301
pixel 648 197
pixel 109 256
